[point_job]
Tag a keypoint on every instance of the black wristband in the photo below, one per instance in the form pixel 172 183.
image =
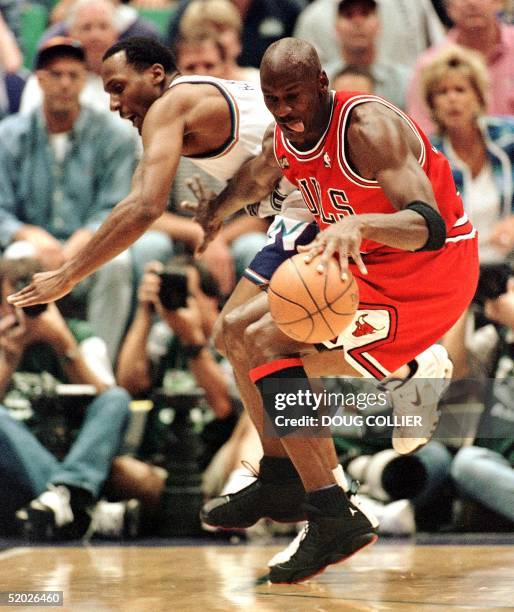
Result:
pixel 435 225
pixel 191 351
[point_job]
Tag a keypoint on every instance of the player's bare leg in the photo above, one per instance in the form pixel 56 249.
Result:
pixel 327 507
pixel 276 470
pixel 251 303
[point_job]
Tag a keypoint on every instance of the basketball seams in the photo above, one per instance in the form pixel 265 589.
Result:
pixel 337 298
pixel 308 315
pixel 318 309
pixel 302 297
pixel 286 299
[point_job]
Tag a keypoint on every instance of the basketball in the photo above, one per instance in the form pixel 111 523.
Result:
pixel 308 306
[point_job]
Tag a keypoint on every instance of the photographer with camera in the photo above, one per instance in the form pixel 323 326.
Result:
pixel 51 498
pixel 185 298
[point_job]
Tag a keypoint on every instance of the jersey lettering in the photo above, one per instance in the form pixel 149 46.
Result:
pixel 311 192
pixel 339 201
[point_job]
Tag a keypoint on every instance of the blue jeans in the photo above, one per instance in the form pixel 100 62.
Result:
pixel 27 468
pixel 487 477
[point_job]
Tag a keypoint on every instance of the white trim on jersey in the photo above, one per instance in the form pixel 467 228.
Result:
pixel 352 176
pixel 303 156
pixel 468 236
pixel 462 221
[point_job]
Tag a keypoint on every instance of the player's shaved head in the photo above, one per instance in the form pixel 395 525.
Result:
pixel 295 89
pixel 290 56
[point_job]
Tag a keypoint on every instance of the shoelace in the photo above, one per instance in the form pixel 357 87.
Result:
pixel 248 466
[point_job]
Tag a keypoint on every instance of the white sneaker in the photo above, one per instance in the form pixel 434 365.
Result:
pixel 416 400
pixel 115 519
pixel 284 555
pixel 56 499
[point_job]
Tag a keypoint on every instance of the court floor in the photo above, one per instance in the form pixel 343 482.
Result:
pixel 391 575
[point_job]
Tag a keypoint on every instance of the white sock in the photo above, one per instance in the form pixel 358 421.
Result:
pixel 340 477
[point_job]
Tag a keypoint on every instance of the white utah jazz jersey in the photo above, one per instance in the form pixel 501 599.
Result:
pixel 250 118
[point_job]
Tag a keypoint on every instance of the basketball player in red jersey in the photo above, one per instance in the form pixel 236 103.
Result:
pixel 387 206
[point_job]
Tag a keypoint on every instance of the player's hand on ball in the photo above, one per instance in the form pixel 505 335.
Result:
pixel 204 211
pixel 342 238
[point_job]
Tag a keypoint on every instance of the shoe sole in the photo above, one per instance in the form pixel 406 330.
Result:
pixel 283 521
pixel 370 539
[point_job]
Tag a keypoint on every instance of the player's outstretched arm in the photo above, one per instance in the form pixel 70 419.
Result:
pixel 163 133
pixel 254 181
pixel 382 148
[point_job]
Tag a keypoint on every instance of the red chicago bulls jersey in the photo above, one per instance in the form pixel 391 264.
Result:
pixel 408 300
pixel 332 189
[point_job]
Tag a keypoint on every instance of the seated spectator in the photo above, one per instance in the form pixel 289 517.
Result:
pixel 480 149
pixel 201 53
pixel 94 23
pixel 225 20
pixel 477 27
pixel 357 27
pixel 129 23
pixel 63 167
pixel 264 22
pixel 179 340
pixel 408 28
pixel 52 497
pixel 353 78
pixel 484 472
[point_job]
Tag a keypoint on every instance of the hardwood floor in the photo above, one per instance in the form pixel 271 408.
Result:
pixel 388 576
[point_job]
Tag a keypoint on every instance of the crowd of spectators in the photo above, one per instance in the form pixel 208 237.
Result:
pixel 87 364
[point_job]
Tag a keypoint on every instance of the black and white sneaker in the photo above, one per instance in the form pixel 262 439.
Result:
pixel 277 495
pixel 325 540
pixel 50 517
pixel 416 400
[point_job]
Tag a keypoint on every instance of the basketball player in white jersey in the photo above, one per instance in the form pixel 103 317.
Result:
pixel 219 125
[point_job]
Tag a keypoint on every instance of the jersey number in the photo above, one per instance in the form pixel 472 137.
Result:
pixel 311 192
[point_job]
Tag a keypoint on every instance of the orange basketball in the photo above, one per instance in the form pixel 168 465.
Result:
pixel 309 306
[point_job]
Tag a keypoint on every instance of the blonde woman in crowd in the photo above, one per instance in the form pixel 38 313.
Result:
pixel 480 149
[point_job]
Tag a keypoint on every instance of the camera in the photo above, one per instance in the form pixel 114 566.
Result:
pixel 492 282
pixel 30 311
pixel 174 288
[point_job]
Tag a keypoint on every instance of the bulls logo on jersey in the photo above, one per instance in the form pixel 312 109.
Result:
pixel 363 328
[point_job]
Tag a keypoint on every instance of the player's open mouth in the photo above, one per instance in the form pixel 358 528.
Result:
pixel 295 125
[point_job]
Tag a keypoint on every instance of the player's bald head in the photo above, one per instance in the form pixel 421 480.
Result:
pixel 290 56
